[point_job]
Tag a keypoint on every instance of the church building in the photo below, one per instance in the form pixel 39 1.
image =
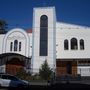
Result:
pixel 65 46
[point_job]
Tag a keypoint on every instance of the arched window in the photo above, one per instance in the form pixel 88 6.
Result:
pixel 15 45
pixel 66 44
pixel 74 45
pixel 43 35
pixel 81 44
pixel 19 46
pixel 11 46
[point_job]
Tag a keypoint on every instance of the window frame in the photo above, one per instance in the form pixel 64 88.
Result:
pixel 74 44
pixel 66 44
pixel 43 35
pixel 82 46
pixel 15 45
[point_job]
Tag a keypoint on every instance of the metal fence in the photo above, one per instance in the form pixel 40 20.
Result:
pixel 83 71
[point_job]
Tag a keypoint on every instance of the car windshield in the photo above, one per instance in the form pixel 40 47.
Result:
pixel 9 77
pixel 12 78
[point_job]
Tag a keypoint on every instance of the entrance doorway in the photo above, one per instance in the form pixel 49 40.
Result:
pixel 14 65
pixel 69 67
pixel 66 67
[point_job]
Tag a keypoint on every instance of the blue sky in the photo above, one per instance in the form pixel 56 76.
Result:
pixel 19 12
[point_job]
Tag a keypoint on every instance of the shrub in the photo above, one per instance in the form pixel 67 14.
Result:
pixel 45 71
pixel 22 74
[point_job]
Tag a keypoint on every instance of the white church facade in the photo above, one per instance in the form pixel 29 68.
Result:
pixel 66 47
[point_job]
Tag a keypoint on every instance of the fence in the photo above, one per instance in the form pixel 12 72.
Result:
pixel 83 71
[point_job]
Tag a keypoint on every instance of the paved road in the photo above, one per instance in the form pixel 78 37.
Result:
pixel 13 89
pixel 54 87
pixel 3 89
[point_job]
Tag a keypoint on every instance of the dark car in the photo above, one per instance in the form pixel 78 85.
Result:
pixel 7 80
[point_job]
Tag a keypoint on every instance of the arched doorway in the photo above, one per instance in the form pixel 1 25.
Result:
pixel 14 65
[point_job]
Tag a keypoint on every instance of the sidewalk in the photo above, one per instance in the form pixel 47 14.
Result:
pixel 39 83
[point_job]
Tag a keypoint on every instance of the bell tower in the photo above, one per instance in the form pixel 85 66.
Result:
pixel 44 37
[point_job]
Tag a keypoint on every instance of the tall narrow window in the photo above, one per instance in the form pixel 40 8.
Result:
pixel 11 46
pixel 15 45
pixel 74 45
pixel 43 35
pixel 19 46
pixel 66 44
pixel 81 44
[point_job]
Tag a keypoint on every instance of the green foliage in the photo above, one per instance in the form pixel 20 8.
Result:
pixel 22 74
pixel 36 77
pixel 45 71
pixel 3 24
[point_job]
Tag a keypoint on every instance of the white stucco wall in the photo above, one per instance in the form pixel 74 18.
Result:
pixel 67 31
pixel 2 68
pixel 1 42
pixel 21 36
pixel 30 44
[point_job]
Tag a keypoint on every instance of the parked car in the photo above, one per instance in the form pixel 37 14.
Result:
pixel 7 80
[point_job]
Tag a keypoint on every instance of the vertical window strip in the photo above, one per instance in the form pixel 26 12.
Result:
pixel 11 46
pixel 66 46
pixel 15 45
pixel 81 44
pixel 43 35
pixel 74 44
pixel 19 46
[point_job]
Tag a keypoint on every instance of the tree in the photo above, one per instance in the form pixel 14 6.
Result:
pixel 45 71
pixel 3 26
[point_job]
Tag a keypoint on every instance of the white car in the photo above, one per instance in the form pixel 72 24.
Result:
pixel 7 80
